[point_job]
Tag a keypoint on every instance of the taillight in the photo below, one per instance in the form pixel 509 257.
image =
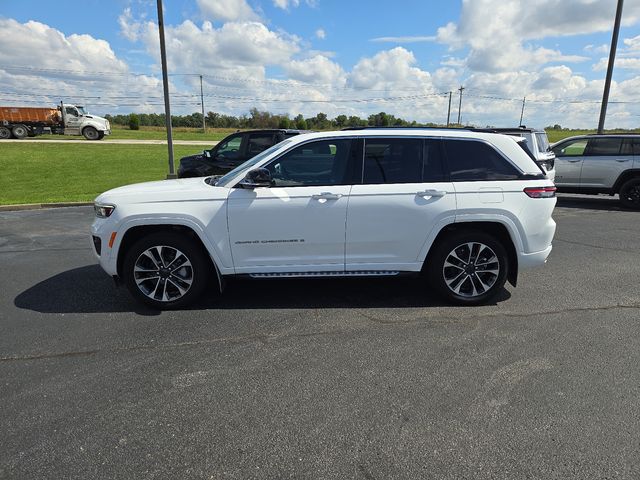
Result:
pixel 540 192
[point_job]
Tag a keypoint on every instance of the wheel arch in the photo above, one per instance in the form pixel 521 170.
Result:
pixel 495 228
pixel 134 233
pixel 625 177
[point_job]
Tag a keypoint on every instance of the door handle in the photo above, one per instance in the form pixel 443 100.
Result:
pixel 622 160
pixel 326 196
pixel 431 193
pixel 574 161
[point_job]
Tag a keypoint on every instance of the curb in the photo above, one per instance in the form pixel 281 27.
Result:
pixel 38 206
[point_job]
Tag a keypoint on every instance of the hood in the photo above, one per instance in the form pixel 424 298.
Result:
pixel 181 190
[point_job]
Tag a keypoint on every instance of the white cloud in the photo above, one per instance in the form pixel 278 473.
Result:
pixel 632 44
pixel 415 39
pixel 227 10
pixel 496 30
pixel 284 4
pixel 316 70
pixel 321 34
pixel 625 63
pixel 77 68
pixel 604 48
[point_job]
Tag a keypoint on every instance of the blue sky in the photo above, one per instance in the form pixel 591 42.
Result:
pixel 306 56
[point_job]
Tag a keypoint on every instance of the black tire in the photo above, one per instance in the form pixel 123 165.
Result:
pixel 147 290
pixel 100 135
pixel 473 276
pixel 5 133
pixel 90 133
pixel 20 131
pixel 630 194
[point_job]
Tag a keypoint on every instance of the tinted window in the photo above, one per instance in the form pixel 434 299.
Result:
pixel 604 146
pixel 471 160
pixel 636 146
pixel 571 149
pixel 543 142
pixel 318 163
pixel 229 148
pixel 392 160
pixel 259 142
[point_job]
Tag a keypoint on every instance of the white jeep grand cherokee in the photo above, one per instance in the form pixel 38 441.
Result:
pixel 467 209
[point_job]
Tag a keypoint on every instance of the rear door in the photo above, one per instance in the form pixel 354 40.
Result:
pixel 604 161
pixel 401 197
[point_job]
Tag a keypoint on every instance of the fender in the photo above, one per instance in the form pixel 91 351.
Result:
pixel 216 255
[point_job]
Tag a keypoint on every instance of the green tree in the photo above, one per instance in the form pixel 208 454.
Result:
pixel 134 122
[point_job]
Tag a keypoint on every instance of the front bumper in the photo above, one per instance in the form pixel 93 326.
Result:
pixel 101 231
pixel 527 260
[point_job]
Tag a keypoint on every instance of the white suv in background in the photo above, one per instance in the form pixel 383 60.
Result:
pixel 537 143
pixel 467 209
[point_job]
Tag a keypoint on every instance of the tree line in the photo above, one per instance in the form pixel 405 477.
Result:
pixel 258 119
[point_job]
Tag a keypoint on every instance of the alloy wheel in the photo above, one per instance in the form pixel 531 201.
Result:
pixel 471 269
pixel 163 273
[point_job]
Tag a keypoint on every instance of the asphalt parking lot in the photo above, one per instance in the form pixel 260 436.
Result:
pixel 327 379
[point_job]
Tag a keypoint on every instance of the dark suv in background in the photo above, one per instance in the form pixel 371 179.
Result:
pixel 605 163
pixel 232 151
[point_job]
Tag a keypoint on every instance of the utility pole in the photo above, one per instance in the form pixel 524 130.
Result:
pixel 524 99
pixel 449 111
pixel 460 104
pixel 612 57
pixel 204 127
pixel 165 84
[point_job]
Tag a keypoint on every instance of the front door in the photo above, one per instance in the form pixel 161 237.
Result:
pixel 569 158
pixel 298 224
pixel 72 121
pixel 402 197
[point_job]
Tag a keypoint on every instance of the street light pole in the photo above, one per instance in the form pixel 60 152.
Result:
pixel 461 89
pixel 612 57
pixel 165 84
pixel 204 127
pixel 449 111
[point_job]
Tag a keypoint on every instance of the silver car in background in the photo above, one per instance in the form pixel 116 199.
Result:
pixel 593 164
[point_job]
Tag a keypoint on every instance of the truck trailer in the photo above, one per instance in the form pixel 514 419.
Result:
pixel 20 122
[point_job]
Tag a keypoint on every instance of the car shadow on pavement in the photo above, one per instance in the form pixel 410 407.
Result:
pixel 591 202
pixel 88 290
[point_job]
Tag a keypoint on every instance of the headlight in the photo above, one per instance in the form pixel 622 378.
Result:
pixel 103 210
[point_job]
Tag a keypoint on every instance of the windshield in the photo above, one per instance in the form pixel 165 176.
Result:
pixel 223 181
pixel 81 110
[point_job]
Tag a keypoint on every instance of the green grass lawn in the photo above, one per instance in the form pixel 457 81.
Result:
pixel 154 133
pixel 42 173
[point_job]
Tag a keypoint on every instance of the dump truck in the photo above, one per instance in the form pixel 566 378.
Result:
pixel 20 122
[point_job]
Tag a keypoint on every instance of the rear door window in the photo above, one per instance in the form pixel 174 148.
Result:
pixel 259 142
pixel 392 160
pixel 604 146
pixel 472 160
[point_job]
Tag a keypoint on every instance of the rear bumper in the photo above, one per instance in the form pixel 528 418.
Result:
pixel 527 260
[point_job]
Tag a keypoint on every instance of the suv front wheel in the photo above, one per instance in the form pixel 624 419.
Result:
pixel 630 194
pixel 165 270
pixel 468 267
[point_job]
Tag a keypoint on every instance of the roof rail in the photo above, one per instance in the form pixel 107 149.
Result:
pixel 406 128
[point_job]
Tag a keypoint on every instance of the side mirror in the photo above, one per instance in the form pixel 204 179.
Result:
pixel 260 177
pixel 207 153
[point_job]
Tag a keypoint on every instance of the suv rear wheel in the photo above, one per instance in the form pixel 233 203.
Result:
pixel 165 270
pixel 630 193
pixel 468 267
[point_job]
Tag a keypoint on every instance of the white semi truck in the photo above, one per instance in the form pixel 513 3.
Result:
pixel 20 122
